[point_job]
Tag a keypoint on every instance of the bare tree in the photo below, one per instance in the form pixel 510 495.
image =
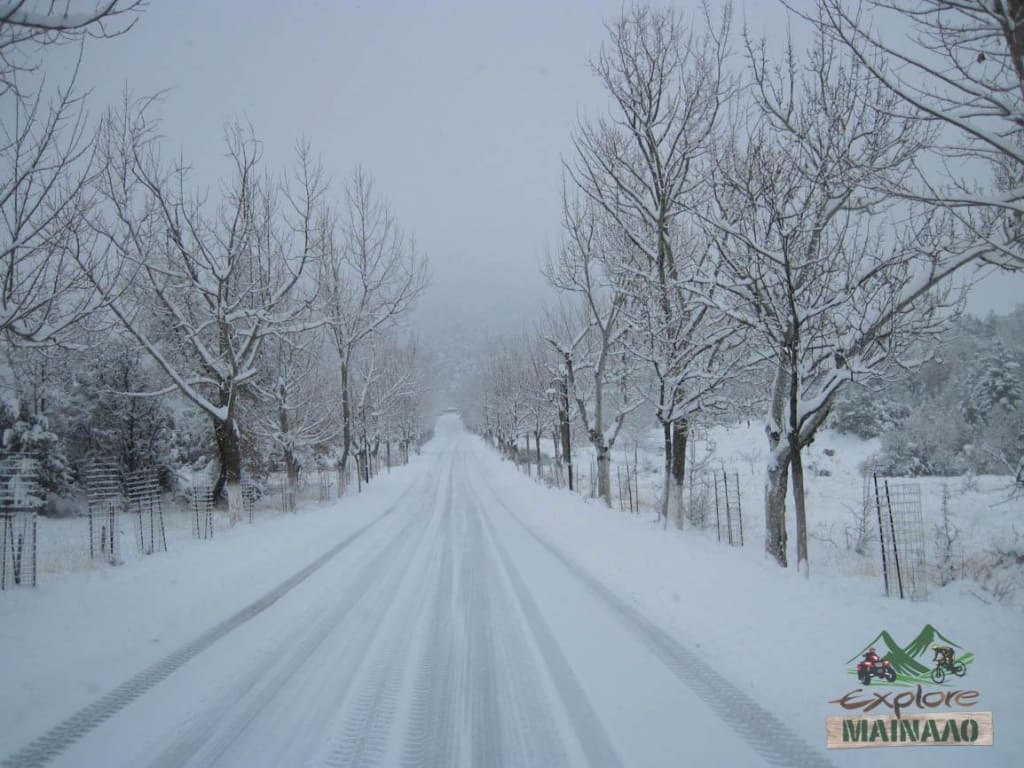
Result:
pixel 369 278
pixel 563 330
pixel 540 392
pixel 510 396
pixel 592 346
pixel 46 159
pixel 401 397
pixel 296 411
pixel 504 389
pixel 832 283
pixel 690 354
pixel 667 80
pixel 961 68
pixel 28 26
pixel 201 287
pixel 388 386
pixel 45 163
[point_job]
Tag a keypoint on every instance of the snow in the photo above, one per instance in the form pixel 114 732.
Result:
pixel 84 629
pixel 982 506
pixel 743 614
pixel 472 616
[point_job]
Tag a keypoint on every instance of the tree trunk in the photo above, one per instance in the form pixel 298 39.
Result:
pixel 776 476
pixel 291 463
pixel 556 458
pixel 292 466
pixel 795 459
pixel 604 474
pixel 346 425
pixel 230 476
pixel 666 488
pixel 680 432
pixel 563 417
pixel 536 444
pixel 799 502
pixel 528 457
pixel 775 507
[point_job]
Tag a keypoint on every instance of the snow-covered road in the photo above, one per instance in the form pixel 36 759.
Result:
pixel 444 632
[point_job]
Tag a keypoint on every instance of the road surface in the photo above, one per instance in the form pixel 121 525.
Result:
pixel 444 633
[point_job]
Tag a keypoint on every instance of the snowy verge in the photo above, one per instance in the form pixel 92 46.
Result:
pixel 78 635
pixel 782 638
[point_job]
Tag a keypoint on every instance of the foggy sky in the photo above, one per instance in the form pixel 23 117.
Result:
pixel 461 111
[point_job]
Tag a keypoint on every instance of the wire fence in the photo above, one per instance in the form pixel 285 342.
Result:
pixel 106 502
pixel 896 507
pixel 202 510
pixel 20 498
pixel 146 506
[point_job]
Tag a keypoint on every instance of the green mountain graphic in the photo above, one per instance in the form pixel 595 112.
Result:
pixel 899 659
pixel 922 644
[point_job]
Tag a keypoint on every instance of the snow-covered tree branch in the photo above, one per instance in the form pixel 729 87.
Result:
pixel 200 285
pixel 591 345
pixel 46 153
pixel 812 257
pixel 668 83
pixel 961 69
pixel 370 277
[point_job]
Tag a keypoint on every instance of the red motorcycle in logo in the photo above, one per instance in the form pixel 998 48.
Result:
pixel 873 666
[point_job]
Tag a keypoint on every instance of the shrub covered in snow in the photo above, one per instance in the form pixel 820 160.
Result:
pixel 31 434
pixel 930 442
pixel 866 412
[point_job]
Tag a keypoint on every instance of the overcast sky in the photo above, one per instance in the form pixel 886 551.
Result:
pixel 460 109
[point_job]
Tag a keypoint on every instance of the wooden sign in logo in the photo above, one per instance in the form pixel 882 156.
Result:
pixel 949 729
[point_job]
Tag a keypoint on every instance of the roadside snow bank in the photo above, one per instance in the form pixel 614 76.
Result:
pixel 784 638
pixel 78 635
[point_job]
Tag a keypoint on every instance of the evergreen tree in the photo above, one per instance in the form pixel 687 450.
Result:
pixel 996 389
pixel 101 419
pixel 30 433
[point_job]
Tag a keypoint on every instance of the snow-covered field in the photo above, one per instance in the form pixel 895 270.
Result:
pixel 458 613
pixel 64 542
pixel 89 626
pixel 783 638
pixel 983 508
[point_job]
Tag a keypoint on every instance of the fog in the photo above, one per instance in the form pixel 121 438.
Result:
pixel 461 111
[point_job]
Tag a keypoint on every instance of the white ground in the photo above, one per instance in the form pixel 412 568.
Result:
pixel 457 613
pixel 985 508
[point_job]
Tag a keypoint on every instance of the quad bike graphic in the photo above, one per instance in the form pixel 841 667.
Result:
pixel 872 666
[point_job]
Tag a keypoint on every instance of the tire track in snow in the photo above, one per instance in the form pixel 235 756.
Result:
pixel 369 586
pixel 58 739
pixel 366 733
pixel 590 732
pixel 483 707
pixel 430 734
pixel 531 735
pixel 764 732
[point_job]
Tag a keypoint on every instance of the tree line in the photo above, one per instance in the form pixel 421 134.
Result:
pixel 773 221
pixel 148 321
